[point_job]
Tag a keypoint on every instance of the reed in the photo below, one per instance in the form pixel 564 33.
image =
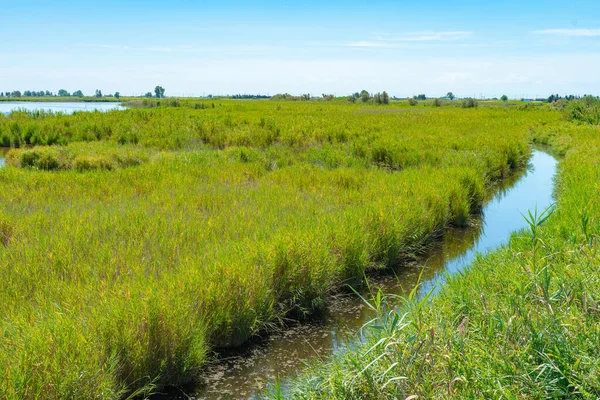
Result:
pixel 134 242
pixel 521 322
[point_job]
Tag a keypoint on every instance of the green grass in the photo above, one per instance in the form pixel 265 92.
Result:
pixel 135 242
pixel 521 322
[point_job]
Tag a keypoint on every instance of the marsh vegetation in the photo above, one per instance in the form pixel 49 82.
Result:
pixel 134 242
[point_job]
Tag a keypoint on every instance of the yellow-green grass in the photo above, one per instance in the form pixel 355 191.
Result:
pixel 521 322
pixel 118 278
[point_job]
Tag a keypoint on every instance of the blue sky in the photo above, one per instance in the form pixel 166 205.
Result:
pixel 472 48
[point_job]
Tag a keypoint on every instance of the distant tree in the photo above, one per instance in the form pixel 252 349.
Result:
pixel 306 96
pixel 364 96
pixel 78 93
pixel 159 91
pixel 356 95
pixel 16 93
pixel 48 93
pixel 386 98
pixel 420 97
pixel 27 93
pixel 553 97
pixel 504 98
pixel 450 96
pixel 148 94
pixel 117 95
pixel 98 93
pixel 63 93
pixel 351 99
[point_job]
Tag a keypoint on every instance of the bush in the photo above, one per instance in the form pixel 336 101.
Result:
pixel 88 163
pixel 82 157
pixel 585 110
pixel 48 161
pixel 413 102
pixel 41 158
pixel 29 158
pixel 436 103
pixel 469 103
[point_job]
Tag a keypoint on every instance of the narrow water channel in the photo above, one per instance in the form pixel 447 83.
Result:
pixel 284 355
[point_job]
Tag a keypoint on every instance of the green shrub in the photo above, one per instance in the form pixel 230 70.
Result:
pixel 29 158
pixel 48 161
pixel 469 102
pixel 585 110
pixel 46 158
pixel 88 163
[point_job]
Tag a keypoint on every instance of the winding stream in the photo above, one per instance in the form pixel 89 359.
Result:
pixel 246 373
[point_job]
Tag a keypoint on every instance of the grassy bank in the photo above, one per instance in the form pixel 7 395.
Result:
pixel 521 322
pixel 141 239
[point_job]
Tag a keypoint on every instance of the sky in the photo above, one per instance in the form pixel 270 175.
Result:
pixel 521 48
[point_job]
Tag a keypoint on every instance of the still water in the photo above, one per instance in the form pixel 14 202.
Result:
pixel 7 107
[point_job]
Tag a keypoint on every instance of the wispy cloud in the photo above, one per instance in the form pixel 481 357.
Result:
pixel 427 36
pixel 412 39
pixel 110 46
pixel 366 43
pixel 569 32
pixel 248 48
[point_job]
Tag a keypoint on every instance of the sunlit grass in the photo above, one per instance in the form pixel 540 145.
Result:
pixel 134 242
pixel 521 322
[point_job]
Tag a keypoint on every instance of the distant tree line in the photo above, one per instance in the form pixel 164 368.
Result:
pixel 555 97
pixel 362 96
pixel 365 97
pixel 249 96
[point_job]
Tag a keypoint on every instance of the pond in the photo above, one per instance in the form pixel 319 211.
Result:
pixel 6 107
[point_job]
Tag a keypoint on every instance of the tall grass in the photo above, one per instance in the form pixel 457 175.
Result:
pixel 121 275
pixel 521 322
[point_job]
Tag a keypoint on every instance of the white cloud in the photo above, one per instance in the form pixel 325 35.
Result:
pixel 366 43
pixel 427 36
pixel 569 32
pixel 412 39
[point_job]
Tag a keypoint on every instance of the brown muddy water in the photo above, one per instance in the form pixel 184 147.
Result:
pixel 248 372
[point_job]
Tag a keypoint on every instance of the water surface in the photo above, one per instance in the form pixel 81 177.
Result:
pixel 6 107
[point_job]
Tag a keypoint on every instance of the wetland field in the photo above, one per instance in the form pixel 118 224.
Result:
pixel 139 245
